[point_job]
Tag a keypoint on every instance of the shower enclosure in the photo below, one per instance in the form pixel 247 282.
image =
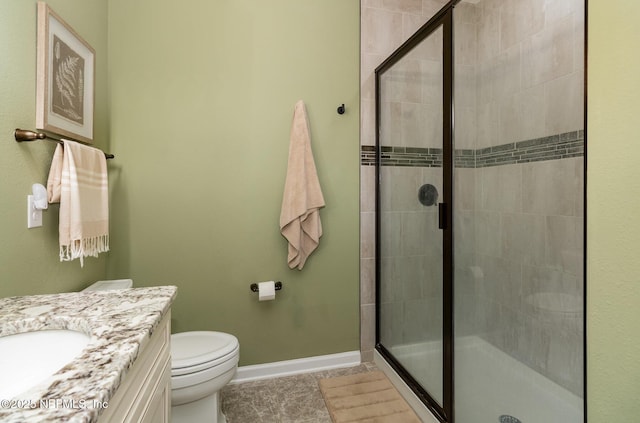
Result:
pixel 480 211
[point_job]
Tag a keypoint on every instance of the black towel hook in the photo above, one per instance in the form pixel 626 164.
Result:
pixel 341 109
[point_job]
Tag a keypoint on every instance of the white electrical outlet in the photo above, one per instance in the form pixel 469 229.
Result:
pixel 34 216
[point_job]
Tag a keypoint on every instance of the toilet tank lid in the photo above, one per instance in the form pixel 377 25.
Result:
pixel 189 349
pixel 110 284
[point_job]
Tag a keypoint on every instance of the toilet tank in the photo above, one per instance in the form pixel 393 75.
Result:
pixel 112 284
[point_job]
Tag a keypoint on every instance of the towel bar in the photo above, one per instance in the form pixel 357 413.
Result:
pixel 26 135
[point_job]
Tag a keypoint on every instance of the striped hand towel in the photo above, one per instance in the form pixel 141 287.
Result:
pixel 78 181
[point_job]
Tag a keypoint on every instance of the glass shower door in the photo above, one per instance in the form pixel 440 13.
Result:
pixel 410 242
pixel 518 212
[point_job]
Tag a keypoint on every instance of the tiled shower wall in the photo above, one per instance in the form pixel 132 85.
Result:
pixel 520 211
pixel 385 25
pixel 520 286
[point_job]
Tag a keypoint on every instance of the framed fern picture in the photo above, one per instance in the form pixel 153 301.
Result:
pixel 65 78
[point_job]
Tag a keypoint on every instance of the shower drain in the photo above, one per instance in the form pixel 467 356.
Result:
pixel 509 419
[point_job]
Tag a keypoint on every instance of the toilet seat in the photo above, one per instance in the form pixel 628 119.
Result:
pixel 193 352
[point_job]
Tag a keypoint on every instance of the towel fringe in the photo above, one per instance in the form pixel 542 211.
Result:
pixel 87 247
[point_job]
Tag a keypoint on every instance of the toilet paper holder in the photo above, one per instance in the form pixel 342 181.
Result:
pixel 278 286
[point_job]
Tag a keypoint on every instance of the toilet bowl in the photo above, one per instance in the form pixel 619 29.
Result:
pixel 202 363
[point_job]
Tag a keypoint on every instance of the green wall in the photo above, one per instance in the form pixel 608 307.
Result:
pixel 202 96
pixel 613 199
pixel 29 257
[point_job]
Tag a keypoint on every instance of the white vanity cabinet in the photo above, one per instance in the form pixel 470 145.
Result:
pixel 145 393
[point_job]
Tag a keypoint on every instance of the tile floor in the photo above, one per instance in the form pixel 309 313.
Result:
pixel 290 399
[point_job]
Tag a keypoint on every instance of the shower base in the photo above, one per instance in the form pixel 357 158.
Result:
pixel 491 384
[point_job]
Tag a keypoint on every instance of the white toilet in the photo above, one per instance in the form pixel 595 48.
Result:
pixel 202 363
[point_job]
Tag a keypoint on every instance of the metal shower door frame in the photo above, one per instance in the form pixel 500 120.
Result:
pixel 443 19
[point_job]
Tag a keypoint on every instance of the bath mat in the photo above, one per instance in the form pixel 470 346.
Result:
pixel 365 398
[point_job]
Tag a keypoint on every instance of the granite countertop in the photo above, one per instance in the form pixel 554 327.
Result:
pixel 119 322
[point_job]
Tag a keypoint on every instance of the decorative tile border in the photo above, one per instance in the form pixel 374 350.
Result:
pixel 554 147
pixel 368 155
pixel 410 156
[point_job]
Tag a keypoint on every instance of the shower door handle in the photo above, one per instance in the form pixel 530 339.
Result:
pixel 442 215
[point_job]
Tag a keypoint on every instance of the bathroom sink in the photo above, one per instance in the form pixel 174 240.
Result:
pixel 29 358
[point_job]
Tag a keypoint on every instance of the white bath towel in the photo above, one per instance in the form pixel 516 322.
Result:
pixel 78 181
pixel 300 213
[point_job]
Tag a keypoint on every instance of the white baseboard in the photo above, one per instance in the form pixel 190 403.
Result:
pixel 297 366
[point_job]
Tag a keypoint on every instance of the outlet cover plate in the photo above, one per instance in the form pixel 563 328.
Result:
pixel 34 216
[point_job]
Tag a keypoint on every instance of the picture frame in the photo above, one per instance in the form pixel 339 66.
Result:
pixel 65 85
